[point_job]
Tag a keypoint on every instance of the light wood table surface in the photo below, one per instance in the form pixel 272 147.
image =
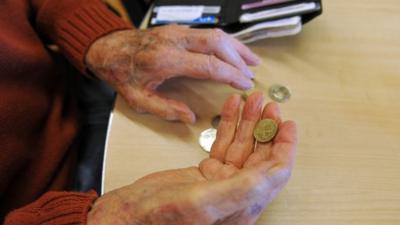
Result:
pixel 343 71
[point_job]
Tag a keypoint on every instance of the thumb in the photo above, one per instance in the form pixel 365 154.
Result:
pixel 149 101
pixel 246 193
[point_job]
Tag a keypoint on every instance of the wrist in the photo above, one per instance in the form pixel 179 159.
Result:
pixel 102 49
pixel 110 209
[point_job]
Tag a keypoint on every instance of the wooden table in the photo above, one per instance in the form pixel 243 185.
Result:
pixel 344 74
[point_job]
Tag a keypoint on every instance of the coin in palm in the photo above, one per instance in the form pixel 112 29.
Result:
pixel 265 130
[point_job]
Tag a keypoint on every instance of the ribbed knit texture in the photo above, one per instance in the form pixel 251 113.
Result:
pixel 80 27
pixel 54 208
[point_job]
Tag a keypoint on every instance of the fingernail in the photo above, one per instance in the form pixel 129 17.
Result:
pixel 189 118
pixel 248 84
pixel 249 73
pixel 257 59
pixel 258 104
pixel 261 101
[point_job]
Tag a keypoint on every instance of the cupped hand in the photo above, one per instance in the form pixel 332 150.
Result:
pixel 232 187
pixel 136 62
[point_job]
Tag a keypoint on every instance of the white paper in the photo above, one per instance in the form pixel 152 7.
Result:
pixel 179 13
pixel 272 13
pixel 274 33
pixel 270 29
pixel 292 21
pixel 208 9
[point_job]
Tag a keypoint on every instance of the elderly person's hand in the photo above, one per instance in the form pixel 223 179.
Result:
pixel 232 187
pixel 136 62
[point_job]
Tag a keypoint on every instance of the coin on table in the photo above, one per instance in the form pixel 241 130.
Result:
pixel 207 138
pixel 279 93
pixel 265 130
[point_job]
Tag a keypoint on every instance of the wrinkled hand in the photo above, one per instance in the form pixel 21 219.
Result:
pixel 136 62
pixel 232 187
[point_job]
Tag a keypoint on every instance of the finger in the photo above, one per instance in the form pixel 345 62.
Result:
pixel 202 66
pixel 210 167
pixel 149 101
pixel 271 111
pixel 284 146
pixel 215 41
pixel 226 128
pixel 243 144
pixel 248 56
pixel 282 150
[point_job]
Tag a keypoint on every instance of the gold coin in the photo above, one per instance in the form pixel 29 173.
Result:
pixel 265 130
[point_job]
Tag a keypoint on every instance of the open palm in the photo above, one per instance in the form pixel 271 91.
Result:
pixel 231 187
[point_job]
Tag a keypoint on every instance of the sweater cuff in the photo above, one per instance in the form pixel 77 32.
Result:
pixel 85 25
pixel 54 208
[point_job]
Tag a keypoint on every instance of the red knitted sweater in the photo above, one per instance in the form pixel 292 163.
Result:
pixel 38 117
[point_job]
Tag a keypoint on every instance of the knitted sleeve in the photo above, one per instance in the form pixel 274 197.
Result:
pixel 54 208
pixel 74 25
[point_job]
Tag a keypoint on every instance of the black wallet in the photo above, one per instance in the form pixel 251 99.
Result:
pixel 230 15
pixel 246 20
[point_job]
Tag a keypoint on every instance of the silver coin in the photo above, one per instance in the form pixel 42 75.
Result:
pixel 215 121
pixel 207 138
pixel 279 93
